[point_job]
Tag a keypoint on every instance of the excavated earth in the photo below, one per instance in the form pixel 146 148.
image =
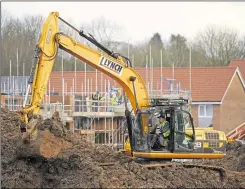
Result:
pixel 80 165
pixel 234 159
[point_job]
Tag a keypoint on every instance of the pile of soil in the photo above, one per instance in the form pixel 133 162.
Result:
pixel 80 165
pixel 234 159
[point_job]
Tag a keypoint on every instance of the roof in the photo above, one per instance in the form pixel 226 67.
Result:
pixel 240 63
pixel 209 84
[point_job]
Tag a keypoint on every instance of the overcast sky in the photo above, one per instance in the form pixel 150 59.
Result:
pixel 141 19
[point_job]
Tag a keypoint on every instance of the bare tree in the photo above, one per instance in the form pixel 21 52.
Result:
pixel 5 15
pixel 104 31
pixel 220 45
pixel 20 35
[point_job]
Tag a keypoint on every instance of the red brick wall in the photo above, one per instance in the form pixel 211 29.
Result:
pixel 194 113
pixel 233 106
pixel 54 99
pixel 216 116
pixel 100 124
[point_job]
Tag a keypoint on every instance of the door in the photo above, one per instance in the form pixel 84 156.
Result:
pixel 184 134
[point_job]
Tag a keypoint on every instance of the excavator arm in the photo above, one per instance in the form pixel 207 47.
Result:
pixel 113 65
pixel 115 68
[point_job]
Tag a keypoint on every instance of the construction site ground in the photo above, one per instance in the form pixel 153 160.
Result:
pixel 83 165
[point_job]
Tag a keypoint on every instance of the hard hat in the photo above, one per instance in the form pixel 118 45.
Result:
pixel 161 114
pixel 97 91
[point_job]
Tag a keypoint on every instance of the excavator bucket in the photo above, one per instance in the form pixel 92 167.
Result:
pixel 36 141
pixel 51 146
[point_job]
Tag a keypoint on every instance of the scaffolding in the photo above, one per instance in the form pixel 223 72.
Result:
pixel 102 123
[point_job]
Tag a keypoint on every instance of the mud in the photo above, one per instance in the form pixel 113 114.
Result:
pixel 234 159
pixel 80 165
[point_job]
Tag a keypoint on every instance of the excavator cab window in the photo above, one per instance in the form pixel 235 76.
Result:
pixel 184 134
pixel 158 141
pixel 140 136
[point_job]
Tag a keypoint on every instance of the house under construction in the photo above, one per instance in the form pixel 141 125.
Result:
pixel 101 122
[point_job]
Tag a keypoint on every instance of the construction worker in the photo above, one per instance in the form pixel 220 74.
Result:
pixel 113 101
pixel 162 132
pixel 96 97
pixel 120 96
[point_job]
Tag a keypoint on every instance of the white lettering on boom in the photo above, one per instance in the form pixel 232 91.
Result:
pixel 113 66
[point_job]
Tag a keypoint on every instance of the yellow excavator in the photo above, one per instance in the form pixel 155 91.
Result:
pixel 139 120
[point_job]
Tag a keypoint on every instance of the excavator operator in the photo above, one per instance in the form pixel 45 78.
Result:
pixel 162 132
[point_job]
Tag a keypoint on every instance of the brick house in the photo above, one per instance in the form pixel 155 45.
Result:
pixel 218 93
pixel 239 132
pixel 240 63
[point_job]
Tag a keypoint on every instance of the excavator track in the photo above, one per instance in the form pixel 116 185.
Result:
pixel 153 165
pixel 221 170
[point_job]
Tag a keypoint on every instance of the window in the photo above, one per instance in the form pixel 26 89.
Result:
pixel 205 115
pixel 202 110
pixel 183 132
pixel 205 110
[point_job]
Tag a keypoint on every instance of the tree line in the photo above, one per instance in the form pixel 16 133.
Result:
pixel 213 46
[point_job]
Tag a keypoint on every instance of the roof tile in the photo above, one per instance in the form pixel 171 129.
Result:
pixel 240 63
pixel 208 84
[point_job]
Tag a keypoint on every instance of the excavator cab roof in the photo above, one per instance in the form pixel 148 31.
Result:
pixel 168 102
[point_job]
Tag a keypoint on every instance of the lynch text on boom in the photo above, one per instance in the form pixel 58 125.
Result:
pixel 111 65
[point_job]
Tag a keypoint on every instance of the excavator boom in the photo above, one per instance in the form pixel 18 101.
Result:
pixel 115 68
pixel 110 64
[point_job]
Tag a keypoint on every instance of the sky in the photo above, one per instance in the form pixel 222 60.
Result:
pixel 140 20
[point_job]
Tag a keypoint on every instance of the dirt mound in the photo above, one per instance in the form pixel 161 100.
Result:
pixel 234 159
pixel 80 166
pixel 10 123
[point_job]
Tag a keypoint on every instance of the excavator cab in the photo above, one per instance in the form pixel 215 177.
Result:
pixel 179 138
pixel 182 141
